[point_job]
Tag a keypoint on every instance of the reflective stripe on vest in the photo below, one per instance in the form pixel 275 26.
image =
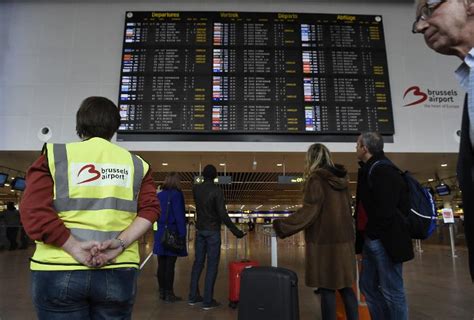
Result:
pixel 85 234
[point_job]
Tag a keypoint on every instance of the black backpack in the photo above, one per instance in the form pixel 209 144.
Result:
pixel 421 219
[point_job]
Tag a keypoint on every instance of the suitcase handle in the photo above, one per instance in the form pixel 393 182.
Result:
pixel 244 257
pixel 273 244
pixel 274 249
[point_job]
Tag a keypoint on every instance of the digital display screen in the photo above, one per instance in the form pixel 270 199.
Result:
pixel 3 179
pixel 443 190
pixel 18 184
pixel 235 75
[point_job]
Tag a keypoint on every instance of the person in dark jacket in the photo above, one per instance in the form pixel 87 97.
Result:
pixel 210 214
pixel 382 236
pixel 12 222
pixel 448 28
pixel 173 215
pixel 326 219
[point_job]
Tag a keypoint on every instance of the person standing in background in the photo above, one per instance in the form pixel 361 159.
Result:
pixel 326 219
pixel 86 204
pixel 448 28
pixel 12 224
pixel 210 213
pixel 172 203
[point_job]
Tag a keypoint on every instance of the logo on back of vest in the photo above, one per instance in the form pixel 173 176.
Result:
pixel 100 174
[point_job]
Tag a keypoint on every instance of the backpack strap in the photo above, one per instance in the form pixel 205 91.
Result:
pixel 385 162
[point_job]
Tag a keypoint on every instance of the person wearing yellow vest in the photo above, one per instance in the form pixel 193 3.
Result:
pixel 86 204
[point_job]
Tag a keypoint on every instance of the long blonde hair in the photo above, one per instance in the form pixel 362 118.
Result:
pixel 317 156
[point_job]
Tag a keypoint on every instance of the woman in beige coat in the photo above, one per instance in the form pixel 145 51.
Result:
pixel 329 233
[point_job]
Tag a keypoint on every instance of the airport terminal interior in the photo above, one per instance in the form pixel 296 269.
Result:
pixel 437 282
pixel 247 86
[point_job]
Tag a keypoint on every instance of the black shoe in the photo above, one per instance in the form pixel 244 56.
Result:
pixel 194 301
pixel 162 294
pixel 210 306
pixel 171 297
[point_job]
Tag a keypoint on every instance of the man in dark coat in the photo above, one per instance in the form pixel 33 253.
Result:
pixel 382 237
pixel 210 213
pixel 448 28
pixel 12 222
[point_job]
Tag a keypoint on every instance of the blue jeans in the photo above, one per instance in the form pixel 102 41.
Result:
pixel 381 282
pixel 84 294
pixel 206 243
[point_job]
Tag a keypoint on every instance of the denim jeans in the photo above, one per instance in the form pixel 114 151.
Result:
pixel 206 243
pixel 381 281
pixel 84 294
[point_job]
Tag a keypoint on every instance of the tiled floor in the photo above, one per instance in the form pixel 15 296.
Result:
pixel 438 287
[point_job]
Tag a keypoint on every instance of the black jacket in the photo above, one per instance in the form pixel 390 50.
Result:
pixel 385 200
pixel 466 176
pixel 210 208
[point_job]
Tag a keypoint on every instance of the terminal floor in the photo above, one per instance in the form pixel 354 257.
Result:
pixel 437 286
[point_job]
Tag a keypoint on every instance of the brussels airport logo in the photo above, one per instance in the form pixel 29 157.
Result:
pixel 103 174
pixel 414 93
pixel 414 96
pixel 91 174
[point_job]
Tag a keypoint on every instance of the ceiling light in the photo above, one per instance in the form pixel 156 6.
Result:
pixel 259 207
pixel 430 180
pixel 222 164
pixel 444 164
pixel 279 164
pixel 242 206
pixel 6 184
pixel 164 164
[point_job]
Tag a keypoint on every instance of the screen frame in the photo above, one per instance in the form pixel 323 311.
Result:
pixel 14 183
pixel 443 187
pixel 2 174
pixel 242 137
pixel 209 136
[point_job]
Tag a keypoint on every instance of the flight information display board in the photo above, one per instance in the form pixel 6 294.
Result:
pixel 270 76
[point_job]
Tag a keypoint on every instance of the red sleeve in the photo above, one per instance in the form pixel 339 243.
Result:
pixel 37 212
pixel 148 205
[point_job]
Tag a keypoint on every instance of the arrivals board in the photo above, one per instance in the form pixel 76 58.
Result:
pixel 270 76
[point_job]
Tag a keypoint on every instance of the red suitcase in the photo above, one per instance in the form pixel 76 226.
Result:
pixel 235 269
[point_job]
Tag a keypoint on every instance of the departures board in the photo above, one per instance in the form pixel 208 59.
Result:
pixel 253 76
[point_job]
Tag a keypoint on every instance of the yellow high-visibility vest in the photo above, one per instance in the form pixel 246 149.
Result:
pixel 96 187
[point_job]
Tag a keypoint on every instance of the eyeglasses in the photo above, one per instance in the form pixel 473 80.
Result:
pixel 426 11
